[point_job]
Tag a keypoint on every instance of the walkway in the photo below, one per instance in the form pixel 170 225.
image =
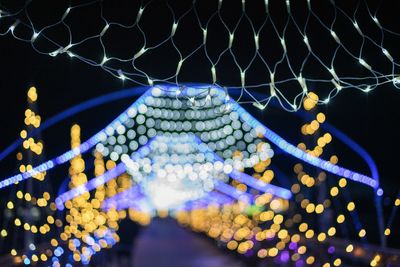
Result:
pixel 164 244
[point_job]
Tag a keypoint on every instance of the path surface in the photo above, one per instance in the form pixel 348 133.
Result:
pixel 164 244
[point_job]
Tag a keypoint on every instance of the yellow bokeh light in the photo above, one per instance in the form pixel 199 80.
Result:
pixel 278 219
pixel 27 227
pixel 351 206
pixel 23 134
pixel 28 197
pixel 34 229
pixel 20 195
pixel 342 182
pixel 321 117
pixel 310 208
pixel 13 252
pixel 232 245
pixel 303 227
pixel 340 218
pixel 319 208
pixel 10 205
pixel 328 138
pixel 302 250
pixel 332 231
pixel 282 234
pixel 387 231
pixel 32 94
pixel 337 262
pixel 17 222
pixel 362 233
pixel 310 260
pixel 310 233
pixel 3 233
pixel 349 248
pixel 321 237
pixel 334 191
pixel 43 257
pixel 272 252
pixel 262 253
pixel 310 101
pixel 35 258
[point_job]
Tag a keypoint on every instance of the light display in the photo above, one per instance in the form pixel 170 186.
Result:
pixel 211 169
pixel 196 152
pixel 30 209
pixel 221 103
pixel 89 229
pixel 219 29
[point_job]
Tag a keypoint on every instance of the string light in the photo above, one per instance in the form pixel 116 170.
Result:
pixel 365 83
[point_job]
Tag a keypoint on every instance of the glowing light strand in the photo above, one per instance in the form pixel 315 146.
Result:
pixel 364 83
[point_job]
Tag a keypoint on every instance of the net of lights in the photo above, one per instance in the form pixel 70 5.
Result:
pixel 220 157
pixel 263 27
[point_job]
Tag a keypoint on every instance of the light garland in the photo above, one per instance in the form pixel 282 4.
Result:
pixel 217 61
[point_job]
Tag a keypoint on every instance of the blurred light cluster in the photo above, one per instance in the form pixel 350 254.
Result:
pixel 30 210
pixel 88 229
pixel 280 231
pixel 177 158
pixel 194 154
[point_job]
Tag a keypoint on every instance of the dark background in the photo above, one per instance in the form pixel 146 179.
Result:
pixel 371 119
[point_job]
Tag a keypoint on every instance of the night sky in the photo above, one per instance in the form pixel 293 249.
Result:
pixel 370 119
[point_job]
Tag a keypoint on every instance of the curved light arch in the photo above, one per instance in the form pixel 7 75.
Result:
pixel 244 115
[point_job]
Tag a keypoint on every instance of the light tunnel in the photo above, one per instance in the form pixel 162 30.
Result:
pixel 200 91
pixel 228 123
pixel 182 146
